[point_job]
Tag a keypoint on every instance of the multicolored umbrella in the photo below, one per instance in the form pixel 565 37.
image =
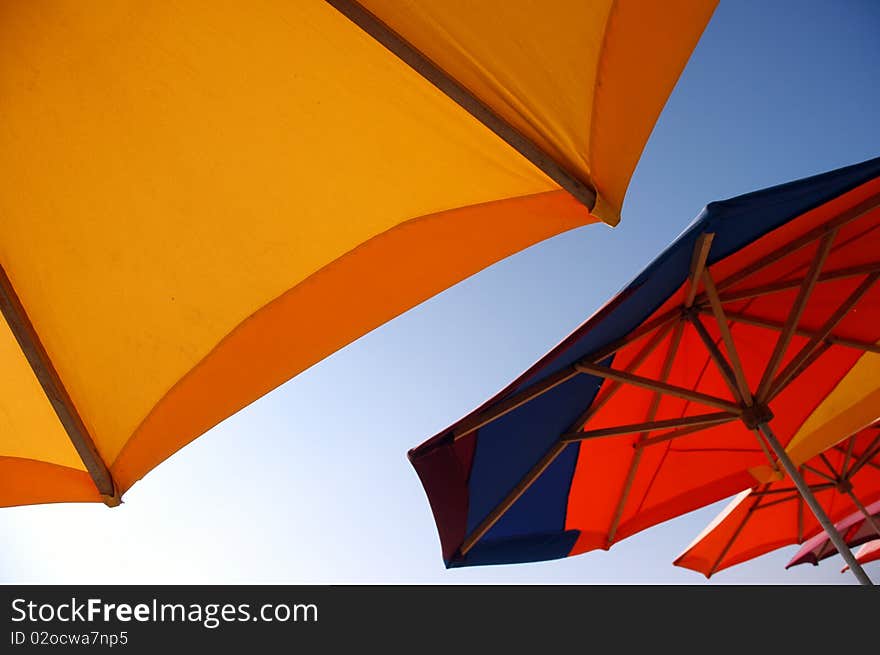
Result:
pixel 854 529
pixel 762 313
pixel 200 200
pixel 773 515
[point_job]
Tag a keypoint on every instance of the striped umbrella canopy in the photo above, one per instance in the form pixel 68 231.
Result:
pixel 773 515
pixel 200 200
pixel 682 388
pixel 855 529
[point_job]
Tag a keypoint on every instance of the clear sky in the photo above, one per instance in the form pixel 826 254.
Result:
pixel 311 484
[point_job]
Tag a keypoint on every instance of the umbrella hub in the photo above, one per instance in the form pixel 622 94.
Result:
pixel 755 415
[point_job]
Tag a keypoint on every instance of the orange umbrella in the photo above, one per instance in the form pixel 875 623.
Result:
pixel 773 515
pixel 200 200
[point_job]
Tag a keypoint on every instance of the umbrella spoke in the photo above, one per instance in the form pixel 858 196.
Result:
pixel 830 467
pixel 36 355
pixel 794 317
pixel 724 326
pixel 563 375
pixel 724 367
pixel 700 258
pixel 637 361
pixel 786 285
pixel 683 432
pixel 779 501
pixel 521 487
pixel 865 458
pixel 698 265
pixel 835 340
pixel 662 387
pixel 701 421
pixel 734 536
pixel 815 234
pixel 848 456
pixel 821 474
pixel 800 519
pixel 802 360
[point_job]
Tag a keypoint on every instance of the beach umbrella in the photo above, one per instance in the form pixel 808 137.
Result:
pixel 201 200
pixel 682 390
pixel 854 529
pixel 772 515
pixel 870 552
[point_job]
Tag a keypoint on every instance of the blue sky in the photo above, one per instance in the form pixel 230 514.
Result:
pixel 311 485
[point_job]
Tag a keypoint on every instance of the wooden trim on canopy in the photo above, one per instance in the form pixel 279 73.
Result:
pixel 29 341
pixel 406 52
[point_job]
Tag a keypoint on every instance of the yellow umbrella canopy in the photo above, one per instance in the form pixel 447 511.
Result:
pixel 201 199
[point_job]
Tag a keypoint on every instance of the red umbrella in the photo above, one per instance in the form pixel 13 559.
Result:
pixel 856 529
pixel 772 515
pixel 870 552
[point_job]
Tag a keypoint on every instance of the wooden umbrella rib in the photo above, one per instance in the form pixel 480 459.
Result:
pixel 800 519
pixel 701 420
pixel 861 464
pixel 726 336
pixel 848 456
pixel 724 368
pixel 755 504
pixel 661 387
pixel 779 501
pixel 787 285
pixel 821 474
pixel 521 487
pixel 513 402
pixel 746 319
pixel 615 386
pixel 563 375
pixel 870 452
pixel 36 355
pixel 821 349
pixel 655 401
pixel 820 231
pixel 775 492
pixel 683 432
pixel 698 265
pixel 427 69
pixel 798 364
pixel 794 317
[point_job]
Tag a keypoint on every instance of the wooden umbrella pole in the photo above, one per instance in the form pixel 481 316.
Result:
pixel 29 342
pixel 814 505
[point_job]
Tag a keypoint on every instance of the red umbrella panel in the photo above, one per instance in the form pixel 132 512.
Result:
pixel 653 406
pixel 870 552
pixel 774 515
